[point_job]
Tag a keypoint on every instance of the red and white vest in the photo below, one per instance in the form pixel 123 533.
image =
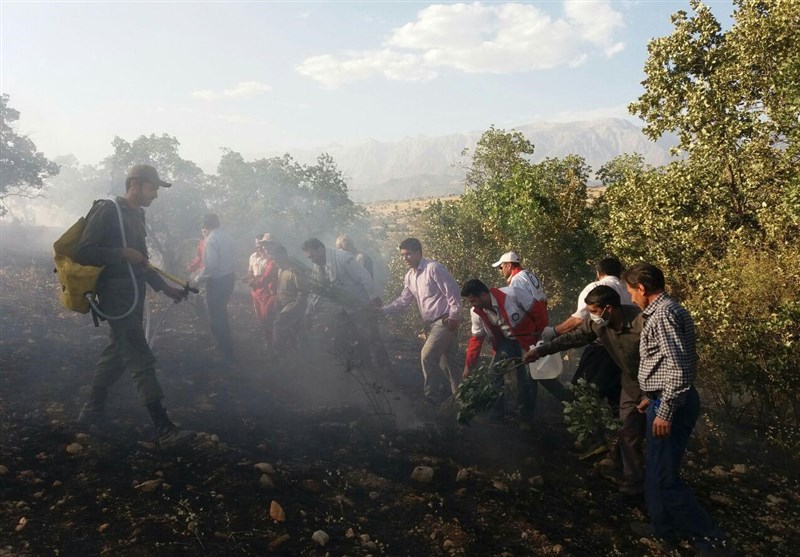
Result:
pixel 510 320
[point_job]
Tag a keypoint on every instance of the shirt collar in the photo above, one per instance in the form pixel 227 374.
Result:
pixel 654 305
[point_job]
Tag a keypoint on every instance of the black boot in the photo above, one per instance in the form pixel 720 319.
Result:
pixel 93 412
pixel 169 435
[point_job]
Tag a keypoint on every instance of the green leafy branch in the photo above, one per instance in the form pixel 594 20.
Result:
pixel 478 391
pixel 588 413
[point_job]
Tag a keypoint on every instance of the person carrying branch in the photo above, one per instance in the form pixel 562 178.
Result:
pixel 617 327
pixel 497 314
pixel 435 291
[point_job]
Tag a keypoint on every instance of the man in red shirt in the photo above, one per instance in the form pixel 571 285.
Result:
pixel 496 313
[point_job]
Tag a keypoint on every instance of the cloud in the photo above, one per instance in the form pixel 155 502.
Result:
pixel 478 38
pixel 331 72
pixel 242 90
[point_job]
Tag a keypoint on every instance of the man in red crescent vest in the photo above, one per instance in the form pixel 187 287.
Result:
pixel 496 313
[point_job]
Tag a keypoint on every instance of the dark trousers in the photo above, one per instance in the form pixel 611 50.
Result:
pixel 128 349
pixel 287 328
pixel 218 294
pixel 598 367
pixel 505 350
pixel 527 388
pixel 673 507
pixel 631 436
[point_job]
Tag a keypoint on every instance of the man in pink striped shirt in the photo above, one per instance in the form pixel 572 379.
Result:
pixel 438 298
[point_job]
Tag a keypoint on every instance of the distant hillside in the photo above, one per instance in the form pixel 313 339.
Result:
pixel 424 166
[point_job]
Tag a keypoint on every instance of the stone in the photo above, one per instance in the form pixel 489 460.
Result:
pixel 74 448
pixel 739 468
pixel 266 482
pixel 264 468
pixel 103 527
pixel 3 470
pixel 774 500
pixel 719 472
pixel 276 512
pixel 448 544
pixel 374 495
pixel 462 475
pixel 721 499
pixel 277 542
pixel 607 464
pixel 149 486
pixel 500 486
pixel 536 481
pixel 21 524
pixel 349 533
pixel 422 474
pixel 320 537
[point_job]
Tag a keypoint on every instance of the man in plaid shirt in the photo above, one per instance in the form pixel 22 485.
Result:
pixel 667 370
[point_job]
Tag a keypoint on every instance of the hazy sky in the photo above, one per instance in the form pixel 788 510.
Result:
pixel 264 77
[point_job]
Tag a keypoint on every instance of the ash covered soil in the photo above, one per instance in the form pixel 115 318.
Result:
pixel 286 451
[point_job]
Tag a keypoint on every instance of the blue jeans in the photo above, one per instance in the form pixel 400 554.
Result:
pixel 673 507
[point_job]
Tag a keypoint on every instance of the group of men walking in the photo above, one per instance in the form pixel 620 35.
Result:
pixel 642 355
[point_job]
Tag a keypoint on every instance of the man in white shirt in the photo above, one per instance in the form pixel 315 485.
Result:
pixel 342 292
pixel 596 366
pixel 219 259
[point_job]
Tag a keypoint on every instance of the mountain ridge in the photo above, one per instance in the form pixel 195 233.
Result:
pixel 423 165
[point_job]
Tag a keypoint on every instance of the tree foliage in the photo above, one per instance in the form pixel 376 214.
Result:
pixel 176 216
pixel 723 219
pixel 23 169
pixel 282 196
pixel 538 210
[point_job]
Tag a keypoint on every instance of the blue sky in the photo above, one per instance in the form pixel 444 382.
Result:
pixel 264 77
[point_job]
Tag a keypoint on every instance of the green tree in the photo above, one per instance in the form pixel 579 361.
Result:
pixel 23 169
pixel 293 201
pixel 723 220
pixel 731 97
pixel 495 158
pixel 175 218
pixel 538 210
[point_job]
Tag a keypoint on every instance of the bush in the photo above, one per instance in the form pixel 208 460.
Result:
pixel 747 309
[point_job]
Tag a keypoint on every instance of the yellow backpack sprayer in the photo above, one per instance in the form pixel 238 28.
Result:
pixel 78 282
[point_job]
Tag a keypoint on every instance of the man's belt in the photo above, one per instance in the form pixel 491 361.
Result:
pixel 430 324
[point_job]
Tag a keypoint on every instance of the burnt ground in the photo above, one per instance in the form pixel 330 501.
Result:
pixel 323 455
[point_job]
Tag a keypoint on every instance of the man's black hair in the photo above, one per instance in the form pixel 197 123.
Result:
pixel 609 266
pixel 210 221
pixel 411 244
pixel 275 249
pixel 649 276
pixel 474 287
pixel 312 244
pixel 603 296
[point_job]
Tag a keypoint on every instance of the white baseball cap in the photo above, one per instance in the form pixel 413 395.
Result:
pixel 507 257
